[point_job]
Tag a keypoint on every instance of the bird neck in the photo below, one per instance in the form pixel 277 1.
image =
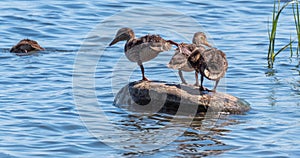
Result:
pixel 131 36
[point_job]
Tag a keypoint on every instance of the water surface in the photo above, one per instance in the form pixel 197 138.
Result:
pixel 38 114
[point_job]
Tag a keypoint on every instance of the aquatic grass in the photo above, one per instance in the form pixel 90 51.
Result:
pixel 291 46
pixel 272 33
pixel 297 23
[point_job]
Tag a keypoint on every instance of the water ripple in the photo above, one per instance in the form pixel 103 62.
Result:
pixel 39 117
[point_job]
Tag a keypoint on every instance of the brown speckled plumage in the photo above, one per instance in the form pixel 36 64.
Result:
pixel 26 46
pixel 141 49
pixel 179 60
pixel 211 63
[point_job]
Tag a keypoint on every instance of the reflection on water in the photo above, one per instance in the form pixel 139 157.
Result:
pixel 285 80
pixel 198 140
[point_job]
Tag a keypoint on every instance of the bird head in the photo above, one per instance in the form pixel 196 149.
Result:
pixel 200 39
pixel 123 34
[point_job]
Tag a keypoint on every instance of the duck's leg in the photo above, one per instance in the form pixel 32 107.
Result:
pixel 215 87
pixel 181 77
pixel 202 88
pixel 143 73
pixel 196 77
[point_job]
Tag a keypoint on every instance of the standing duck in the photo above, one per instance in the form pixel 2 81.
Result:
pixel 141 49
pixel 211 64
pixel 179 60
pixel 26 46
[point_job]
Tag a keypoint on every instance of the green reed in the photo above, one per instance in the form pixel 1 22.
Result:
pixel 272 34
pixel 297 24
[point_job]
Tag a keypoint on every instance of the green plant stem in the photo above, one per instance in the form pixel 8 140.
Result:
pixel 272 35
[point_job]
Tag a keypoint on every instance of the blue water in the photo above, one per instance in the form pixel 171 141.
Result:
pixel 39 113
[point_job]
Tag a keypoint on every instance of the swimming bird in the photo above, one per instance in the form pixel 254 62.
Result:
pixel 26 46
pixel 141 49
pixel 211 64
pixel 179 60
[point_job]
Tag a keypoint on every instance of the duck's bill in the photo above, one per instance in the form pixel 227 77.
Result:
pixel 207 44
pixel 114 41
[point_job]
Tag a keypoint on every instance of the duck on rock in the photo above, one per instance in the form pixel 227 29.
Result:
pixel 210 63
pixel 141 49
pixel 179 60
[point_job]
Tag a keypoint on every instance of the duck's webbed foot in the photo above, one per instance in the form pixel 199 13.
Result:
pixel 202 88
pixel 145 79
pixel 212 90
pixel 206 89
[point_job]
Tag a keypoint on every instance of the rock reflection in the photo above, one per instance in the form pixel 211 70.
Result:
pixel 197 140
pixel 285 79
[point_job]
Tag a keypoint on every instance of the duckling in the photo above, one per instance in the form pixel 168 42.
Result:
pixel 179 60
pixel 211 64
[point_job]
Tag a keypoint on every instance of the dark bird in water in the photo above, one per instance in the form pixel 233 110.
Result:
pixel 179 60
pixel 141 49
pixel 211 64
pixel 26 46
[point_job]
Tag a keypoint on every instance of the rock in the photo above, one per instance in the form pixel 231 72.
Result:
pixel 156 96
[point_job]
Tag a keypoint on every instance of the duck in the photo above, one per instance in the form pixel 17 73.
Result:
pixel 141 49
pixel 179 60
pixel 211 64
pixel 26 46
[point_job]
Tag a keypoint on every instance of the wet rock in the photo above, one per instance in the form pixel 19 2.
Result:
pixel 156 96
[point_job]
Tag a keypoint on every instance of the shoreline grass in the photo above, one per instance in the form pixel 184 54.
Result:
pixel 272 33
pixel 297 24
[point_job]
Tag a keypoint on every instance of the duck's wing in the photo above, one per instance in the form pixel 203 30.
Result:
pixel 146 47
pixel 178 60
pixel 180 57
pixel 157 43
pixel 153 42
pixel 214 64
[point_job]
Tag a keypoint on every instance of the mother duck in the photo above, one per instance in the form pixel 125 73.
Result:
pixel 141 49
